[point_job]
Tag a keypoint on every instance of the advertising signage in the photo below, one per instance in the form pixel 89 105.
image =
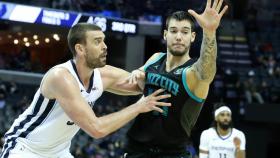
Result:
pixel 37 15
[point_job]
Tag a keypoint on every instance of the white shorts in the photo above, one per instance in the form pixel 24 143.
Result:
pixel 20 151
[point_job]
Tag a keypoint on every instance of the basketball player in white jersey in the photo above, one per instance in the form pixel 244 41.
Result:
pixel 62 104
pixel 222 140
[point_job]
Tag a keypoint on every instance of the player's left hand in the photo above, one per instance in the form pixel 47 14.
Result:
pixel 210 19
pixel 237 142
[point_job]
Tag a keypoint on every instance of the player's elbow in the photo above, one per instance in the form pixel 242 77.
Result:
pixel 208 75
pixel 210 78
pixel 207 78
pixel 97 134
pixel 205 72
pixel 97 131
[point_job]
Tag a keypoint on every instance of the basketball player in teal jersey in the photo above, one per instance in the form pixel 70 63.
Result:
pixel 166 135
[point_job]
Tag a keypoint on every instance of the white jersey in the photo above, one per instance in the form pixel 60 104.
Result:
pixel 221 147
pixel 44 128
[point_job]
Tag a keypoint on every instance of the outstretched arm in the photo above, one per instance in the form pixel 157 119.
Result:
pixel 209 20
pixel 113 78
pixel 137 76
pixel 59 84
pixel 205 67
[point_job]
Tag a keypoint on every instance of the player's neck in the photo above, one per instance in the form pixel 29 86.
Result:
pixel 175 61
pixel 84 72
pixel 223 132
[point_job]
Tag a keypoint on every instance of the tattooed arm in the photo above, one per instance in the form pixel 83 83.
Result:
pixel 209 20
pixel 202 73
pixel 205 67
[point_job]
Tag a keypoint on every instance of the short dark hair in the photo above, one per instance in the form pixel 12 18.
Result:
pixel 180 16
pixel 77 34
pixel 217 106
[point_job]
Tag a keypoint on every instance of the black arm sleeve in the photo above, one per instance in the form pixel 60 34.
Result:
pixel 189 114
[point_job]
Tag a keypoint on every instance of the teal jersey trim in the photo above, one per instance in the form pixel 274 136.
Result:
pixel 184 78
pixel 153 61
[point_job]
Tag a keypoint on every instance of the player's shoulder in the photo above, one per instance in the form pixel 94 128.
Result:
pixel 59 69
pixel 55 79
pixel 58 72
pixel 58 75
pixel 106 69
pixel 157 55
pixel 237 132
pixel 209 132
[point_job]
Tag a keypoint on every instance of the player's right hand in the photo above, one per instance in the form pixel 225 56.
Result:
pixel 236 142
pixel 136 77
pixel 152 101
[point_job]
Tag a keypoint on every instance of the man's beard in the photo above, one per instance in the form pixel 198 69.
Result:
pixel 93 63
pixel 179 53
pixel 225 126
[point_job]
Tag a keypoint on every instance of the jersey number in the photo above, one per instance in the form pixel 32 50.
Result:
pixel 222 155
pixel 164 108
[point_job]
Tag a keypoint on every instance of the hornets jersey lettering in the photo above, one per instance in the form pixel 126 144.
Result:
pixel 166 83
pixel 171 130
pixel 44 128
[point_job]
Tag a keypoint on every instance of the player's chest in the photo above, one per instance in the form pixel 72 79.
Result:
pixel 91 96
pixel 169 82
pixel 218 144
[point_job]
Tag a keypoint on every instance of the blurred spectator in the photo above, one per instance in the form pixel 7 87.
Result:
pixel 1 141
pixel 231 86
pixel 88 5
pixel 2 101
pixel 13 88
pixel 258 56
pixel 63 4
pixel 78 152
pixel 3 88
pixel 277 72
pixel 252 18
pixel 90 149
pixel 22 104
pixel 265 91
pixel 271 65
pixel 251 89
pixel 267 48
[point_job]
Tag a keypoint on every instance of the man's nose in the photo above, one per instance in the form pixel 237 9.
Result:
pixel 104 46
pixel 179 36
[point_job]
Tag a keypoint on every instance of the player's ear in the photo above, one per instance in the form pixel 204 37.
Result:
pixel 193 36
pixel 79 49
pixel 216 118
pixel 164 34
